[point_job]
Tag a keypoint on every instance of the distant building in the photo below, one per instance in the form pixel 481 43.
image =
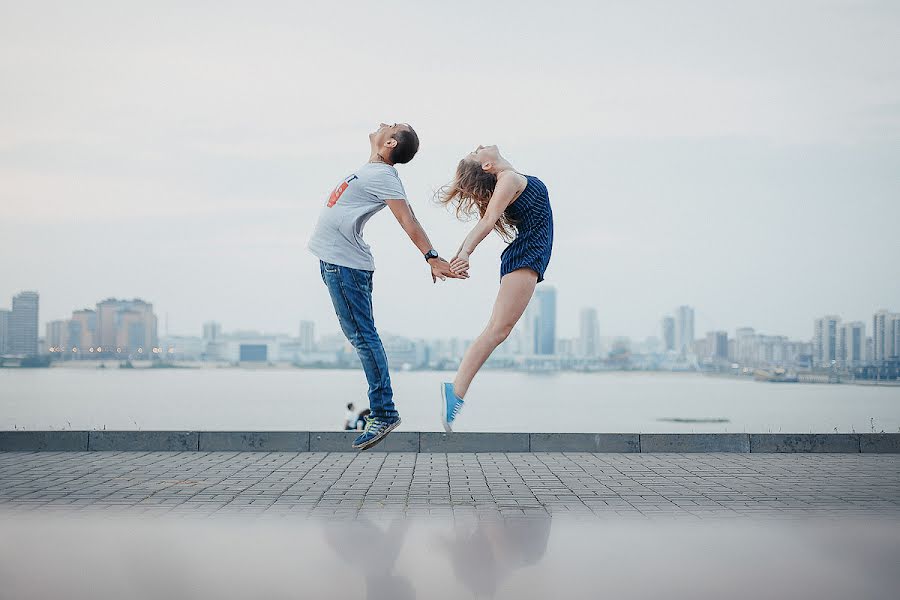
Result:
pixel 699 347
pixel 539 323
pixel 182 347
pixel 253 353
pixel 744 341
pixel 717 345
pixel 23 324
pixel 126 327
pixel 57 337
pixel 212 331
pixel 851 349
pixel 825 338
pixel 684 329
pixel 214 346
pixel 668 333
pixel 4 331
pixel 896 336
pixel 885 335
pixel 404 352
pixel 307 336
pixel 589 333
pixel 82 333
pixel 545 325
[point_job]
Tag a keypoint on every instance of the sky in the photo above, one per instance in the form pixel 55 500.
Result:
pixel 739 157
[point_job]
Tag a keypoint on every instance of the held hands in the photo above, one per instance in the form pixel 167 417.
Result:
pixel 441 269
pixel 460 263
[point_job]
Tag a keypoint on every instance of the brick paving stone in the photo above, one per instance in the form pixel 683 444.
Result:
pixel 484 485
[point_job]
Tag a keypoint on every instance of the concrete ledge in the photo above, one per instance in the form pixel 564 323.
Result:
pixel 258 441
pixel 59 441
pixel 585 442
pixel 150 441
pixel 430 441
pixel 879 442
pixel 695 442
pixel 341 441
pixel 804 442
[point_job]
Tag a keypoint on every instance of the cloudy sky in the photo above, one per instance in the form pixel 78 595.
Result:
pixel 741 157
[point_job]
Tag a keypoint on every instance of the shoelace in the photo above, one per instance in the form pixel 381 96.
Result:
pixel 373 424
pixel 457 406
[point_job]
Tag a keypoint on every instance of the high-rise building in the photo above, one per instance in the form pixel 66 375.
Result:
pixel 717 345
pixel 132 331
pixel 106 322
pixel 744 345
pixel 896 336
pixel 825 338
pixel 307 336
pixel 684 329
pixel 539 323
pixel 589 333
pixel 126 326
pixel 82 333
pixel 57 338
pixel 668 333
pixel 23 324
pixel 212 331
pixel 885 331
pixel 4 331
pixel 852 343
pixel 545 325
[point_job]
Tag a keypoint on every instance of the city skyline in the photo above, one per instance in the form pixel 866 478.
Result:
pixel 118 327
pixel 684 316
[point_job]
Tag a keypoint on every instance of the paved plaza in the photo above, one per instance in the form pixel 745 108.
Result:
pixel 339 485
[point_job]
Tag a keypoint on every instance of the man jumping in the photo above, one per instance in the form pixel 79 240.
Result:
pixel 347 266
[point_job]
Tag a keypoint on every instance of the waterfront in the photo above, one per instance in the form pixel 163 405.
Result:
pixel 296 399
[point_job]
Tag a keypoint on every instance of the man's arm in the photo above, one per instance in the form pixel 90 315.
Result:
pixel 404 214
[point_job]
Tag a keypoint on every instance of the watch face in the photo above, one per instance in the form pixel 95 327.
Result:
pixel 431 254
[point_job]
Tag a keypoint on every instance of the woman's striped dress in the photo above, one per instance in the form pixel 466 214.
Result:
pixel 534 230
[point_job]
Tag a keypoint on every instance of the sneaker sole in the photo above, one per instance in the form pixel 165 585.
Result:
pixel 378 439
pixel 447 427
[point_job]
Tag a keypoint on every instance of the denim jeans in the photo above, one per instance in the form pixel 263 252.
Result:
pixel 351 294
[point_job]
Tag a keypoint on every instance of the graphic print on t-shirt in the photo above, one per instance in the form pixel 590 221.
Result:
pixel 336 192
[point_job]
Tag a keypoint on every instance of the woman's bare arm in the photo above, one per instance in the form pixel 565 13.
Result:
pixel 509 185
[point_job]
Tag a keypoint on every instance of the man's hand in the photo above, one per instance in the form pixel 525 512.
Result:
pixel 440 269
pixel 460 263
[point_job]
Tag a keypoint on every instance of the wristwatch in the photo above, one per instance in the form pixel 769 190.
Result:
pixel 431 254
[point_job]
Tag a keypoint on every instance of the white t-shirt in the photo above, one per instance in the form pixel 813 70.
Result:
pixel 337 238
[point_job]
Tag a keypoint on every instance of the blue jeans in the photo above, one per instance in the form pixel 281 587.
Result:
pixel 351 294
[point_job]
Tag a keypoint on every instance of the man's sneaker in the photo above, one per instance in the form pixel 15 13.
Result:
pixel 451 404
pixel 376 430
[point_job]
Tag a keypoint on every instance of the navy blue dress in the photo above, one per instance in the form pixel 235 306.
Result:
pixel 534 230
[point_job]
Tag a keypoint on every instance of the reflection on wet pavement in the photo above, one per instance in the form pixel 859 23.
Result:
pixel 122 556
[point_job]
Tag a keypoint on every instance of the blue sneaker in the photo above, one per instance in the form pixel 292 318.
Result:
pixel 376 430
pixel 451 404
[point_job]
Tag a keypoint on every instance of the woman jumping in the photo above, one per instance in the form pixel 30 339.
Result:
pixel 517 207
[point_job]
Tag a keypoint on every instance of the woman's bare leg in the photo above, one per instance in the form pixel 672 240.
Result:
pixel 516 289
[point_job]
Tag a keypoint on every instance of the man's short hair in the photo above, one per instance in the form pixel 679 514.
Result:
pixel 407 146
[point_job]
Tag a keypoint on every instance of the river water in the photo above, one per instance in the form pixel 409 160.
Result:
pixel 295 399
